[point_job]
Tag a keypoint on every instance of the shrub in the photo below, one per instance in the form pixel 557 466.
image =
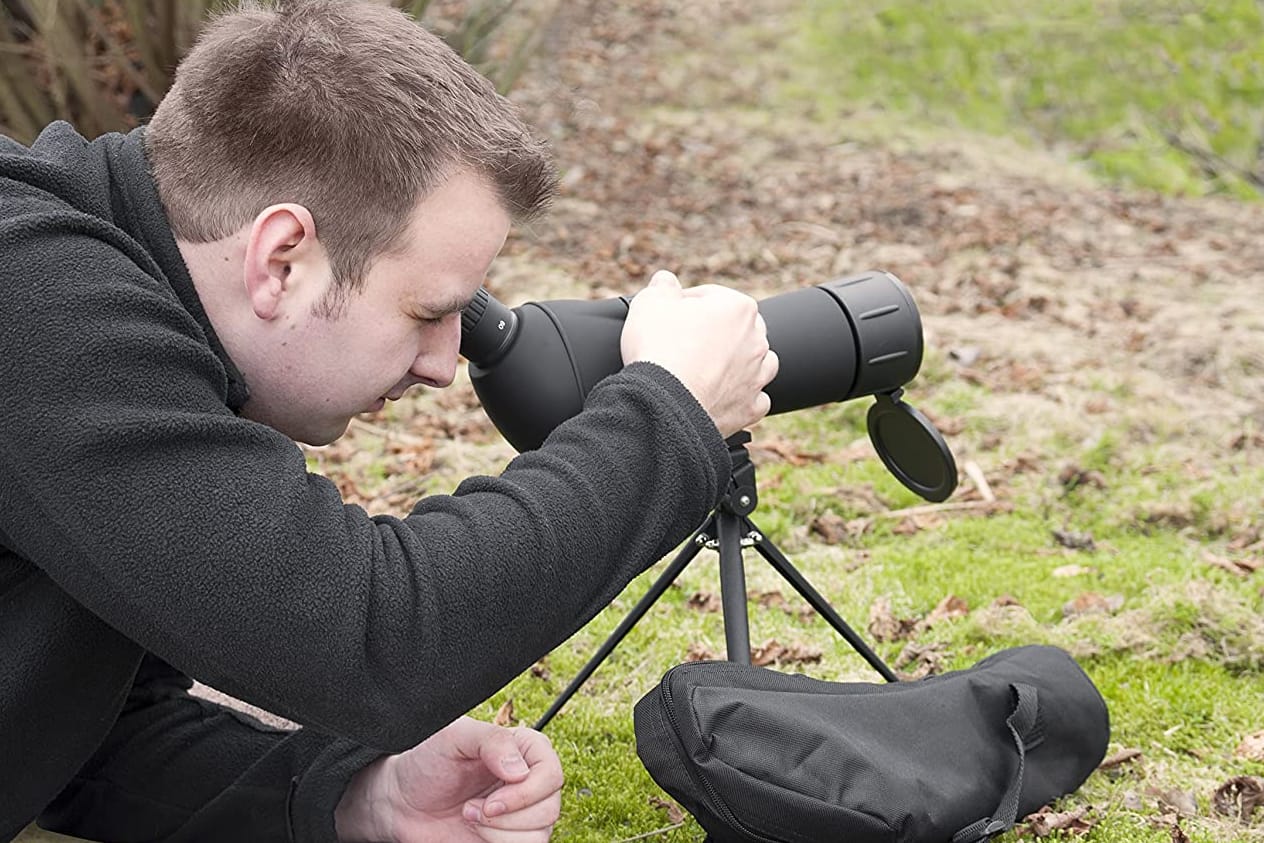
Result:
pixel 104 64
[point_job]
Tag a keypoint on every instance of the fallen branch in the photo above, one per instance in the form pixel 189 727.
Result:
pixel 396 435
pixel 1212 161
pixel 953 506
pixel 980 482
pixel 653 833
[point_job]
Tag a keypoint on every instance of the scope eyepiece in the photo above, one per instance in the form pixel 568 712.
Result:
pixel 488 328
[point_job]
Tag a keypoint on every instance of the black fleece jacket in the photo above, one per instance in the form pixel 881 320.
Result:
pixel 144 524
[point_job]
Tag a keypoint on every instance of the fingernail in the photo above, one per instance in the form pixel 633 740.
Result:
pixel 470 813
pixel 515 764
pixel 494 809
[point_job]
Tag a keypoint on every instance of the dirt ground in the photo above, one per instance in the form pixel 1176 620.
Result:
pixel 1053 290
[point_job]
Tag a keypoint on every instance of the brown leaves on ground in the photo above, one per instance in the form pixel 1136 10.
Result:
pixel 704 601
pixel 779 450
pixel 1251 748
pixel 1123 756
pixel 885 626
pixel 675 814
pixel 1074 540
pixel 1242 567
pixel 1092 603
pixel 925 659
pixel 1239 797
pixel 773 652
pixel 1074 477
pixel 835 529
pixel 699 652
pixel 1046 821
pixel 505 714
pixel 1174 801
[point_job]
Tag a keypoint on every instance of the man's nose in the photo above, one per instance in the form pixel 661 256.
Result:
pixel 436 364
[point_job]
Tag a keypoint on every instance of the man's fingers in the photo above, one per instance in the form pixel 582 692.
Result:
pixel 503 753
pixel 541 814
pixel 769 368
pixel 524 759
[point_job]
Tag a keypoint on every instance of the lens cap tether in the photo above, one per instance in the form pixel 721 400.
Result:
pixel 911 447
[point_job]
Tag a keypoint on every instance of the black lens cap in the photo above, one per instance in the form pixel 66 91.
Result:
pixel 911 448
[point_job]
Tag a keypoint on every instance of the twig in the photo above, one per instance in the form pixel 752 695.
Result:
pixel 398 436
pixel 1213 161
pixel 954 506
pixel 980 482
pixel 653 833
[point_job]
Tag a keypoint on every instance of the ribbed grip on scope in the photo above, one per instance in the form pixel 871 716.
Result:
pixel 474 310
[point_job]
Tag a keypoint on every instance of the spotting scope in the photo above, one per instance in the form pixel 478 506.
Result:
pixel 533 365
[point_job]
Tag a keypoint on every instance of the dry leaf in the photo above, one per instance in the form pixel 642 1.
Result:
pixel 1251 748
pixel 1073 477
pixel 1046 821
pixel 698 652
pixel 773 652
pixel 784 451
pixel 1238 567
pixel 675 813
pixel 1092 603
pixel 831 527
pixel 505 714
pixel 1239 797
pixel 771 599
pixel 540 670
pixel 884 626
pixel 928 659
pixel 704 601
pixel 1121 757
pixel 950 607
pixel 1074 540
pixel 1175 801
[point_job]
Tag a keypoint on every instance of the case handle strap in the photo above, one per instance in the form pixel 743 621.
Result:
pixel 1021 724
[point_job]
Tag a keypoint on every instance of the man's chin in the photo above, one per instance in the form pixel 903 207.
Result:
pixel 309 433
pixel 326 436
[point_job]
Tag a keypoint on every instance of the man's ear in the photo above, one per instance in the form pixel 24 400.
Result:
pixel 281 251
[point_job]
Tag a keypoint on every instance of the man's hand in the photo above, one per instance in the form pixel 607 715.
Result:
pixel 711 338
pixel 470 782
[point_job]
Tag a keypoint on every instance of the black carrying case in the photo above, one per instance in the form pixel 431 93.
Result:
pixel 757 755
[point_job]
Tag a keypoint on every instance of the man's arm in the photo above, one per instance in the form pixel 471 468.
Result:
pixel 202 536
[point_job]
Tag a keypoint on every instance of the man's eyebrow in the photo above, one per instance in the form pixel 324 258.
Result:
pixel 444 308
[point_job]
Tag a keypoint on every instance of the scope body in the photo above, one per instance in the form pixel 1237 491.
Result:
pixel 532 366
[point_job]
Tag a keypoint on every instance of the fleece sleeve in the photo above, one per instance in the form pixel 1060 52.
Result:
pixel 202 536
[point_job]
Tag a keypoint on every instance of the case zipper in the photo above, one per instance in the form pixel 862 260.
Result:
pixel 716 801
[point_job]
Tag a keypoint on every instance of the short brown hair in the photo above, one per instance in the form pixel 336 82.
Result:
pixel 351 109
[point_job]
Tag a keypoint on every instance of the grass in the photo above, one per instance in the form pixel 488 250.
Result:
pixel 1167 94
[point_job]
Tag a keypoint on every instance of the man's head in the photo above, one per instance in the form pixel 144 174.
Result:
pixel 326 165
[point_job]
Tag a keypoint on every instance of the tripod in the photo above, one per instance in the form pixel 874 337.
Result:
pixel 727 529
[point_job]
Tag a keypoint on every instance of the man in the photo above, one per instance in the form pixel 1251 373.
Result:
pixel 289 243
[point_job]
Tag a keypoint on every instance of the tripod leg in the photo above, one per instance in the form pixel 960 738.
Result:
pixel 664 581
pixel 733 588
pixel 775 558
